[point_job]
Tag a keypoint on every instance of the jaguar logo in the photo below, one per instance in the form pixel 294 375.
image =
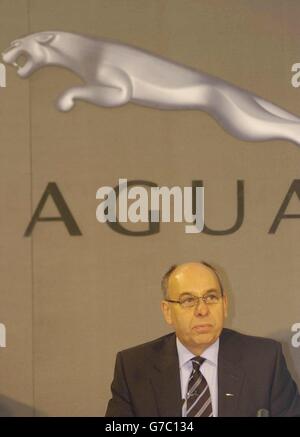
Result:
pixel 115 74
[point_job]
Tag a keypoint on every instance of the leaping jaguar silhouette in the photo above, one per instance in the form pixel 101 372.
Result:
pixel 115 74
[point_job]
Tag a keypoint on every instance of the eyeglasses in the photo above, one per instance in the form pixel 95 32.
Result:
pixel 189 300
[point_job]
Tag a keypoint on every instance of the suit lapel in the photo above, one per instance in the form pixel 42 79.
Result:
pixel 165 380
pixel 230 377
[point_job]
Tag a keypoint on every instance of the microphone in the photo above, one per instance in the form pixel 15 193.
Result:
pixel 263 412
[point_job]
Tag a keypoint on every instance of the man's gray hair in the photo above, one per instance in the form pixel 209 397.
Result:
pixel 166 277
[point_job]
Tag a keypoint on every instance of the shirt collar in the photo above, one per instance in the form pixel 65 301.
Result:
pixel 210 354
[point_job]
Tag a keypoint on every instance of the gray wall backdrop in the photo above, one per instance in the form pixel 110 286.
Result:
pixel 70 303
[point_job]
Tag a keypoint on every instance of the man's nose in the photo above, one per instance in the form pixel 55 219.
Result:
pixel 201 308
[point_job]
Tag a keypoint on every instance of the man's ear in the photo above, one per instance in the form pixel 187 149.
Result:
pixel 165 307
pixel 45 38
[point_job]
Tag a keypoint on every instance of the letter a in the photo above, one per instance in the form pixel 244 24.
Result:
pixel 65 214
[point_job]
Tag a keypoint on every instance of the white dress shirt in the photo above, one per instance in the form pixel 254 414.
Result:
pixel 209 369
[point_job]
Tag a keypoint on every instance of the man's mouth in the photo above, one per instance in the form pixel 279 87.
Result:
pixel 203 327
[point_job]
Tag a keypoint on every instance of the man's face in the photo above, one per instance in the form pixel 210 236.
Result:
pixel 199 326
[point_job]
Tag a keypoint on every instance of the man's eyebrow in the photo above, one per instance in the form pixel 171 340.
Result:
pixel 210 290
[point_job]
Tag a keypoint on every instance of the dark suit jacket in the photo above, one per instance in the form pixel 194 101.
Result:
pixel 147 381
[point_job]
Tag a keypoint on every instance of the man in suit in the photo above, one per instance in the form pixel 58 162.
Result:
pixel 203 369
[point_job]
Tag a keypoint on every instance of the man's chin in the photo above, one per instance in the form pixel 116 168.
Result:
pixel 205 338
